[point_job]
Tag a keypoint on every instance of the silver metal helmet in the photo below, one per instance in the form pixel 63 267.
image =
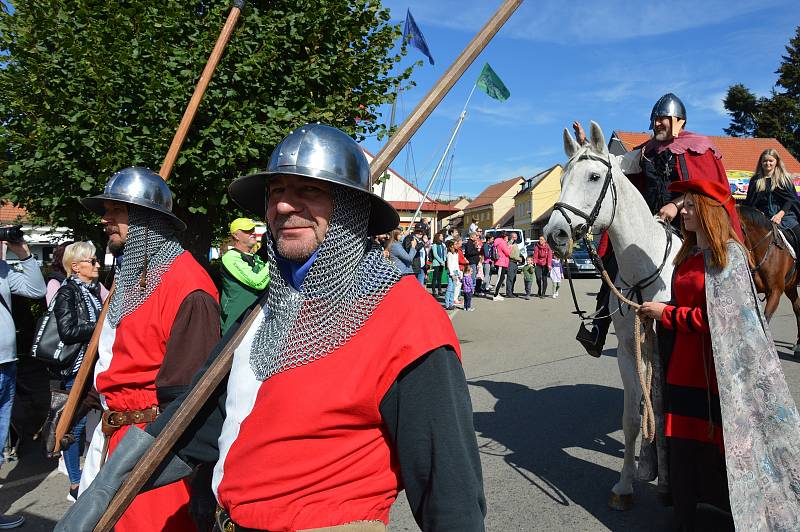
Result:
pixel 319 152
pixel 667 105
pixel 136 186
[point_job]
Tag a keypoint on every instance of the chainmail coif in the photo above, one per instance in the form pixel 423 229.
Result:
pixel 344 285
pixel 151 241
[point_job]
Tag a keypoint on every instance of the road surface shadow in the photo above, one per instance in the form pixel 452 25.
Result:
pixel 537 433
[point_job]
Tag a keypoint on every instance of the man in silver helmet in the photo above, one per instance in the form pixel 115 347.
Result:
pixel 347 388
pixel 163 320
pixel 671 154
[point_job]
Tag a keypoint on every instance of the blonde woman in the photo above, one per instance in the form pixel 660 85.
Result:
pixel 76 308
pixel 772 192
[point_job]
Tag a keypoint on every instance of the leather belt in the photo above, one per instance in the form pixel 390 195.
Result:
pixel 223 523
pixel 113 420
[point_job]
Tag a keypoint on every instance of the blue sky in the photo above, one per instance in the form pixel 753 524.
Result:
pixel 562 60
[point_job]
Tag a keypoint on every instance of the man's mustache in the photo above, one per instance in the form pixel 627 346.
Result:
pixel 109 230
pixel 292 222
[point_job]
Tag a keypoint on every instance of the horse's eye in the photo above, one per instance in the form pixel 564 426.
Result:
pixel 594 177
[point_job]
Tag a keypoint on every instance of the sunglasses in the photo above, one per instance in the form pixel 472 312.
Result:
pixel 93 261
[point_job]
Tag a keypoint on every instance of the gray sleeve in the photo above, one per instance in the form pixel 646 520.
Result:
pixel 428 414
pixel 29 282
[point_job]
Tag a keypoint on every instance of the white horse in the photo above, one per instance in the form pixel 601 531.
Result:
pixel 639 241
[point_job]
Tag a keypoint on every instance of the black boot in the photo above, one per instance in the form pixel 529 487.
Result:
pixel 590 339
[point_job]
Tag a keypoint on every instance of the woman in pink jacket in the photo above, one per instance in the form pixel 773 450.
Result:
pixel 543 261
pixel 502 251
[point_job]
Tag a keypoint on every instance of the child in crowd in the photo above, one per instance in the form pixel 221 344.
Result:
pixel 556 274
pixel 468 288
pixel 453 275
pixel 528 275
pixel 479 284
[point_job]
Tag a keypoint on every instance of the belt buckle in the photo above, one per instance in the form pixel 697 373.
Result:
pixel 110 419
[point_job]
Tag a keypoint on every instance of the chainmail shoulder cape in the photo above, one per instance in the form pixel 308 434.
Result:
pixel 344 285
pixel 151 244
pixel 761 426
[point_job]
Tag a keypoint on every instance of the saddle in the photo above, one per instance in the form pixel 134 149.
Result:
pixel 786 239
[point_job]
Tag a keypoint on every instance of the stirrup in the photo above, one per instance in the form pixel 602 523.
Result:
pixel 590 341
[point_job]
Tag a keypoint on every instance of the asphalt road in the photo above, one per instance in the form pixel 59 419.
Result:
pixel 547 419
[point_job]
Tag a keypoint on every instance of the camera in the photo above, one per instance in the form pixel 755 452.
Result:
pixel 12 233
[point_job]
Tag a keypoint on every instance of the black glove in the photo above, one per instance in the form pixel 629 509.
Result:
pixel 92 504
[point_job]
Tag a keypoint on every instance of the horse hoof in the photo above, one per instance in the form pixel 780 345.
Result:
pixel 621 503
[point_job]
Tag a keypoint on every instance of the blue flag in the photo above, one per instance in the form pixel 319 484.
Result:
pixel 412 34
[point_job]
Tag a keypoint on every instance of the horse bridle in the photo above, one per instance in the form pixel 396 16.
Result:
pixel 580 232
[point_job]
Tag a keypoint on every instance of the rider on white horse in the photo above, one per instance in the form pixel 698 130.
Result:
pixel 672 154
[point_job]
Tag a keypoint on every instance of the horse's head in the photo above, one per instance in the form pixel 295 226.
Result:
pixel 587 192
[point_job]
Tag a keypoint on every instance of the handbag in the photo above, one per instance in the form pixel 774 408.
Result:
pixel 47 345
pixel 58 400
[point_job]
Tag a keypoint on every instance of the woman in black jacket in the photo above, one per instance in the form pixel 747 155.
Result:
pixel 772 192
pixel 76 308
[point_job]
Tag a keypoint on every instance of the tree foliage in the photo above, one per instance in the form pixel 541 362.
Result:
pixel 92 87
pixel 776 115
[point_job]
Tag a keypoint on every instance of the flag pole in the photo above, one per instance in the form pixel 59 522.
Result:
pixel 385 177
pixel 461 118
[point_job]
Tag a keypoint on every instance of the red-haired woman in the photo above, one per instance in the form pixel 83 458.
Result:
pixel 731 424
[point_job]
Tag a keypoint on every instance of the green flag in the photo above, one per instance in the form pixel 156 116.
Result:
pixel 489 83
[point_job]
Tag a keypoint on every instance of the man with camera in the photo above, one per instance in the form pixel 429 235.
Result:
pixel 26 280
pixel 417 240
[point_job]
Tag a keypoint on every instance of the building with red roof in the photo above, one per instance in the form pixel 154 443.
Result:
pixel 495 205
pixel 405 198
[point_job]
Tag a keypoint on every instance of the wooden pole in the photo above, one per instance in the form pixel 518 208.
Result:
pixel 200 90
pixel 220 368
pixel 426 106
pixel 82 378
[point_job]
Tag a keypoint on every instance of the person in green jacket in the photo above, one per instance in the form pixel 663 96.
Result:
pixel 528 274
pixel 244 275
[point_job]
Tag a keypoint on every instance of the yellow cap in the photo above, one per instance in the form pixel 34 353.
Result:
pixel 242 224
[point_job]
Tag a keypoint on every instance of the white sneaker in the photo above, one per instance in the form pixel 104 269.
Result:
pixel 498 297
pixel 555 295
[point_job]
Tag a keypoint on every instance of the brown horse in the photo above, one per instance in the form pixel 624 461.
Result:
pixel 775 270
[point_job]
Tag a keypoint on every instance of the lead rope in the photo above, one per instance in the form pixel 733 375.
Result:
pixel 645 375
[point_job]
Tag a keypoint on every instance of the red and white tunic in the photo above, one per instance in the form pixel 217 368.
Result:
pixel 130 358
pixel 307 448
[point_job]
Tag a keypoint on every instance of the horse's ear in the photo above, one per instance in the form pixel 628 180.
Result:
pixel 570 145
pixel 597 140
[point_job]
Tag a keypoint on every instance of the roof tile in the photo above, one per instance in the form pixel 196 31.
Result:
pixel 491 193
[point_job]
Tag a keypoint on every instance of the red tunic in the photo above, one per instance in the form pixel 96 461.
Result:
pixel 689 378
pixel 130 357
pixel 307 448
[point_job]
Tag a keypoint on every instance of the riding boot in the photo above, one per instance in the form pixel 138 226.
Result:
pixel 594 339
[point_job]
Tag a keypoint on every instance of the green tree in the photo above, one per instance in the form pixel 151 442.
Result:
pixel 92 87
pixel 776 115
pixel 743 108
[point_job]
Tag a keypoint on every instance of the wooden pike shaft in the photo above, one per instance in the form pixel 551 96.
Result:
pixel 220 368
pixel 425 107
pixel 90 357
pixel 199 91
